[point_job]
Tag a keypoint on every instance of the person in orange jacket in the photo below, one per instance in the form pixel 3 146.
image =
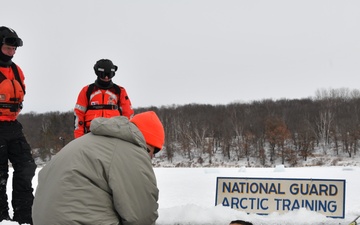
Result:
pixel 101 99
pixel 13 144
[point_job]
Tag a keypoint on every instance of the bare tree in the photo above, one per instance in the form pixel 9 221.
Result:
pixel 324 124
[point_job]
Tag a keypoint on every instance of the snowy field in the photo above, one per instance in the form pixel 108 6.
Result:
pixel 187 195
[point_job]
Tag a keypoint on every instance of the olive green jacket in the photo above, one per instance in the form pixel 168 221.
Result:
pixel 103 177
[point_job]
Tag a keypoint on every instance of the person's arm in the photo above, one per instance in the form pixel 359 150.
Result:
pixel 79 113
pixel 125 104
pixel 22 76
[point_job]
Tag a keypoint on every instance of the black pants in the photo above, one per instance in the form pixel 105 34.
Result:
pixel 14 147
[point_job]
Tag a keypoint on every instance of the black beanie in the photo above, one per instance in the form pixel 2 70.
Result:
pixel 105 67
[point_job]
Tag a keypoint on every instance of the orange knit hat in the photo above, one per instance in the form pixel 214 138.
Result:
pixel 151 127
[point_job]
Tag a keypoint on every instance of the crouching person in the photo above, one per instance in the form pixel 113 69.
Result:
pixel 103 177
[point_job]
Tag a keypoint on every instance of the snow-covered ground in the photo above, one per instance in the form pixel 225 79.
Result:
pixel 187 195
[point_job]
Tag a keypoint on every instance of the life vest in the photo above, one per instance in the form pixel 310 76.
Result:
pixel 102 103
pixel 11 94
pixel 95 102
pixel 110 104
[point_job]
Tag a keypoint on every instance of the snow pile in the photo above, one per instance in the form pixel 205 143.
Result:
pixel 187 195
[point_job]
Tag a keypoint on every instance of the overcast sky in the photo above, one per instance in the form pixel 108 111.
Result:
pixel 186 51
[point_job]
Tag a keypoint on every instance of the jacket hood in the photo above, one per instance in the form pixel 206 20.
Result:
pixel 118 127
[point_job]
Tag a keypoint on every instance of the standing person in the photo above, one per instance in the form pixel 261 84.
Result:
pixel 101 99
pixel 13 145
pixel 103 177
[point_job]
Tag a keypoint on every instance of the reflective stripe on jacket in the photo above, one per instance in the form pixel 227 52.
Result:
pixel 99 97
pixel 11 94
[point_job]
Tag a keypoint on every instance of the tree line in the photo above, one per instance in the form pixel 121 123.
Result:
pixel 267 130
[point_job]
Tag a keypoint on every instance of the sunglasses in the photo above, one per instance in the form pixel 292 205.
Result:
pixel 102 73
pixel 12 41
pixel 156 150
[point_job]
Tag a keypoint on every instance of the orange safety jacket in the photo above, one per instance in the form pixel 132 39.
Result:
pixel 100 103
pixel 12 93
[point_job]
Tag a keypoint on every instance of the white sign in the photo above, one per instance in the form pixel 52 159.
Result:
pixel 267 195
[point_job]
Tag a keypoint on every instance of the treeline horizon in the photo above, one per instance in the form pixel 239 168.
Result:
pixel 267 130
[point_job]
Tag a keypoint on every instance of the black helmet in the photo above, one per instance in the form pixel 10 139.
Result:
pixel 104 67
pixel 9 37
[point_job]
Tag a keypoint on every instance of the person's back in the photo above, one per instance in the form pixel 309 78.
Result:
pixel 103 98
